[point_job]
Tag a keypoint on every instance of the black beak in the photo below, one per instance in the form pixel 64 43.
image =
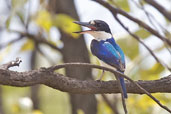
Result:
pixel 85 24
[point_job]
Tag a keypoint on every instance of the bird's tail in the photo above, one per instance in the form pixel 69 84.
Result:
pixel 121 79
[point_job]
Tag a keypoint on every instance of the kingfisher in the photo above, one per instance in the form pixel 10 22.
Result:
pixel 105 48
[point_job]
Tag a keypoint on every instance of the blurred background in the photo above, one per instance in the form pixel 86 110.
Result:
pixel 40 32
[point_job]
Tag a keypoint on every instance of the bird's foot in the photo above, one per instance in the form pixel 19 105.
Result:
pixel 99 80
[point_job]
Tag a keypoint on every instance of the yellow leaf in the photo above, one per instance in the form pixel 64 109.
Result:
pixel 152 73
pixel 79 111
pixel 15 108
pixel 129 45
pixel 103 108
pixel 4 52
pixel 27 46
pixel 37 112
pixel 144 105
pixel 142 33
pixel 65 23
pixel 156 69
pixel 43 19
pixel 52 42
pixel 137 102
pixel 121 3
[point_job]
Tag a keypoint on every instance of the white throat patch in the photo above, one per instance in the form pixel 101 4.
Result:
pixel 100 35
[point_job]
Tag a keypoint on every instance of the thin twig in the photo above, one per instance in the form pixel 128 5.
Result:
pixel 37 39
pixel 113 107
pixel 28 15
pixel 160 8
pixel 151 19
pixel 138 39
pixel 11 42
pixel 113 71
pixel 148 15
pixel 164 30
pixel 115 11
pixel 11 63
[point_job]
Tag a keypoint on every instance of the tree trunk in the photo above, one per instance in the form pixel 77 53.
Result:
pixel 1 105
pixel 75 50
pixel 34 89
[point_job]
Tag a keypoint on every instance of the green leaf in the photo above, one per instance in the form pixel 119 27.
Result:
pixel 21 16
pixel 168 34
pixel 121 3
pixel 142 33
pixel 130 46
pixel 153 72
pixel 7 23
pixel 161 48
pixel 142 2
pixel 18 3
pixel 65 23
pixel 27 46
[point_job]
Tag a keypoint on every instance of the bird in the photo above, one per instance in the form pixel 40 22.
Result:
pixel 105 48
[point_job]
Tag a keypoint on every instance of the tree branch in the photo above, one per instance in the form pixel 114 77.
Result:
pixel 116 11
pixel 116 73
pixel 160 8
pixel 38 39
pixel 58 81
pixel 11 64
pixel 139 40
pixel 11 42
pixel 66 84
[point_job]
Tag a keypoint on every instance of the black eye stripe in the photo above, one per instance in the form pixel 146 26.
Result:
pixel 100 25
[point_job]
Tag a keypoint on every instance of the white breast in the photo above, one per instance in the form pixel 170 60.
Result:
pixel 100 35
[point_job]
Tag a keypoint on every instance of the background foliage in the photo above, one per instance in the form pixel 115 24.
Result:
pixel 33 17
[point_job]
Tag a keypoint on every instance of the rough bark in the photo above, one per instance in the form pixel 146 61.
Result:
pixel 76 86
pixel 75 51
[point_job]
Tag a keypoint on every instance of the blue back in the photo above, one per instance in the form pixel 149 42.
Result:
pixel 109 52
pixel 112 41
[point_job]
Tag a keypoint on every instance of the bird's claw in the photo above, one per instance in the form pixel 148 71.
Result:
pixel 99 80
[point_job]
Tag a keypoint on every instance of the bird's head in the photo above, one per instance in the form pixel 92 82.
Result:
pixel 98 29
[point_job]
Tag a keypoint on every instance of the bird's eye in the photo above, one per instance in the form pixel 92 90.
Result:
pixel 92 22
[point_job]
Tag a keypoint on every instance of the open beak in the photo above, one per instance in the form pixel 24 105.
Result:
pixel 85 24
